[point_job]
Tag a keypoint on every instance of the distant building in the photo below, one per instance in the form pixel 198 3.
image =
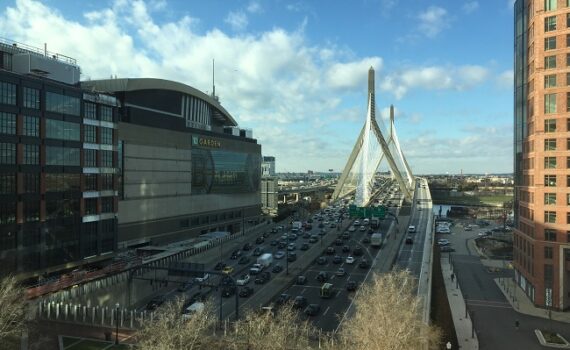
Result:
pixel 541 240
pixel 269 195
pixel 268 166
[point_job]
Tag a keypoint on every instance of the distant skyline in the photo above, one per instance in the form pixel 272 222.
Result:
pixel 295 71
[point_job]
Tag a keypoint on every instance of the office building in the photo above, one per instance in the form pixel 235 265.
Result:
pixel 268 166
pixel 185 167
pixel 58 157
pixel 541 238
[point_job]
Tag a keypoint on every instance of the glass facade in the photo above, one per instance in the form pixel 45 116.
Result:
pixel 90 134
pixel 31 97
pixel 62 130
pixel 7 153
pixel 31 154
pixel 90 158
pixel 66 156
pixel 7 93
pixel 59 103
pixel 106 159
pixel 90 110
pixel 106 136
pixel 7 123
pixel 62 182
pixel 7 183
pixel 106 113
pixel 31 126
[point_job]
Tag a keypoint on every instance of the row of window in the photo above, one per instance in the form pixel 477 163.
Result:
pixel 552 5
pixel 55 182
pixel 550 198
pixel 550 61
pixel 550 23
pixel 65 156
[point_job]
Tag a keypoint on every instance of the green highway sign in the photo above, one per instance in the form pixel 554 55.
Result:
pixel 367 212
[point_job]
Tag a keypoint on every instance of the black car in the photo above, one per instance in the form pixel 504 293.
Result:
pixel 292 256
pixel 338 242
pixel 301 280
pixel 409 240
pixel 283 298
pixel 337 259
pixel 299 302
pixel 306 235
pixel 155 302
pixel 363 264
pixel 243 260
pixel 245 292
pixel 312 309
pixel 321 225
pixel 227 281
pixel 258 251
pixel 259 240
pixel 304 246
pixel 351 286
pixel 277 268
pixel 220 266
pixel 345 249
pixel 366 240
pixel 323 276
pixel 322 260
pixel 313 239
pixel 185 286
pixel 345 236
pixel 330 251
pixel 281 244
pixel 236 254
pixel 262 278
pixel 265 234
pixel 357 251
pixel 446 248
pixel 228 291
pixel 274 243
pixel 246 246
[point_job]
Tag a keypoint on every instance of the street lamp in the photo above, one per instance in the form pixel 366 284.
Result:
pixel 117 324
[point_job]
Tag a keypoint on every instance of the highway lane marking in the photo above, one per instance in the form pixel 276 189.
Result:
pixel 489 305
pixel 303 291
pixel 338 293
pixel 327 310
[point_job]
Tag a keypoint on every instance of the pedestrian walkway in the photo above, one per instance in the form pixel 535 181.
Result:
pixel 466 337
pixel 521 303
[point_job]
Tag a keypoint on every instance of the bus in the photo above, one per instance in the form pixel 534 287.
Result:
pixel 327 290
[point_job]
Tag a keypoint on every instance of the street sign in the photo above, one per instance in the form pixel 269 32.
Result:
pixel 367 212
pixel 548 300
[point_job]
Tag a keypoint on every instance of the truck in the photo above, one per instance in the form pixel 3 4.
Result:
pixel 265 260
pixel 376 240
pixel 297 224
pixel 374 223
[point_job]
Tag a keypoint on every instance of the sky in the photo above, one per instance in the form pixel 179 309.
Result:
pixel 295 72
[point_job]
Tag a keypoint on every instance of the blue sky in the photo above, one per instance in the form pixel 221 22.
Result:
pixel 295 71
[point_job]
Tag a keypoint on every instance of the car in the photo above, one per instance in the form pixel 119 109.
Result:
pixel 279 254
pixel 322 260
pixel 277 268
pixel 366 240
pixel 362 228
pixel 345 249
pixel 351 229
pixel 228 291
pixel 363 264
pixel 337 259
pixel 265 234
pixel 304 246
pixel 282 299
pixel 291 247
pixel 155 302
pixel 301 280
pixel 446 249
pixel 340 272
pixel 219 266
pixel 356 223
pixel 351 286
pixel 259 240
pixel 349 260
pixel 323 276
pixel 274 243
pixel 262 278
pixel 258 251
pixel 281 244
pixel 443 241
pixel 245 292
pixel 198 296
pixel 228 269
pixel 243 260
pixel 468 228
pixel 409 240
pixel 411 229
pixel 227 281
pixel 357 251
pixel 292 256
pixel 306 235
pixel 330 251
pixel 312 310
pixel 243 280
pixel 236 254
pixel 345 236
pixel 292 237
pixel 204 278
pixel 185 286
pixel 322 232
pixel 274 230
pixel 299 302
pixel 247 246
pixel 313 239
pixel 338 242
pixel 255 269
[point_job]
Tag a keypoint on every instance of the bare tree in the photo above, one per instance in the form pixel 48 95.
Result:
pixel 388 316
pixel 12 309
pixel 170 330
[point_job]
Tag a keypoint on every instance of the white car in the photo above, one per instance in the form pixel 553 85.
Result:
pixel 352 229
pixel 243 280
pixel 349 260
pixel 443 241
pixel 411 229
pixel 279 254
pixel 203 278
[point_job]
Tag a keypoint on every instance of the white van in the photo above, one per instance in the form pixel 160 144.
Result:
pixel 192 309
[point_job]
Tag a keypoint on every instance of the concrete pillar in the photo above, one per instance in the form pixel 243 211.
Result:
pixel 84 313
pixel 103 315
pixel 49 309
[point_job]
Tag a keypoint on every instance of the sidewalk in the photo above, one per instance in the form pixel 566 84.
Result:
pixel 521 303
pixel 463 327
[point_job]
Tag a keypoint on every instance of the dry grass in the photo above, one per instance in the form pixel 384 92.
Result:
pixel 13 306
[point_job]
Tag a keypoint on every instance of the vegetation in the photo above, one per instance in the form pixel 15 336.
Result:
pixel 552 338
pixel 12 317
pixel 395 323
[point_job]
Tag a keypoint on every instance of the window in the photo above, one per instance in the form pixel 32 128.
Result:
pixel 567 59
pixel 90 158
pixel 567 198
pixel 7 153
pixel 106 113
pixel 567 236
pixel 548 252
pixel 7 93
pixel 549 23
pixel 8 215
pixel 90 182
pixel 32 211
pixel 550 235
pixel 31 126
pixel 567 180
pixel 550 198
pixel 549 162
pixel 550 125
pixel 107 205
pixel 568 102
pixel 549 62
pixel 62 130
pixel 7 123
pixel 59 103
pixel 550 180
pixel 90 206
pixel 550 5
pixel 550 81
pixel 31 183
pixel 66 156
pixel 568 20
pixel 8 183
pixel 550 217
pixel 31 154
pixel 550 144
pixel 107 136
pixel 106 182
pixel 90 110
pixel 90 133
pixel 550 43
pixel 106 159
pixel 550 103
pixel 62 182
pixel 567 218
pixel 31 98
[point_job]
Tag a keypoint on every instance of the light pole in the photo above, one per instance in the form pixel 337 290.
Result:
pixel 117 324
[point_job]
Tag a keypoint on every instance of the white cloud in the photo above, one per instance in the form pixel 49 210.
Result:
pixel 237 20
pixel 254 7
pixel 434 78
pixel 352 75
pixel 433 21
pixel 505 79
pixel 470 6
